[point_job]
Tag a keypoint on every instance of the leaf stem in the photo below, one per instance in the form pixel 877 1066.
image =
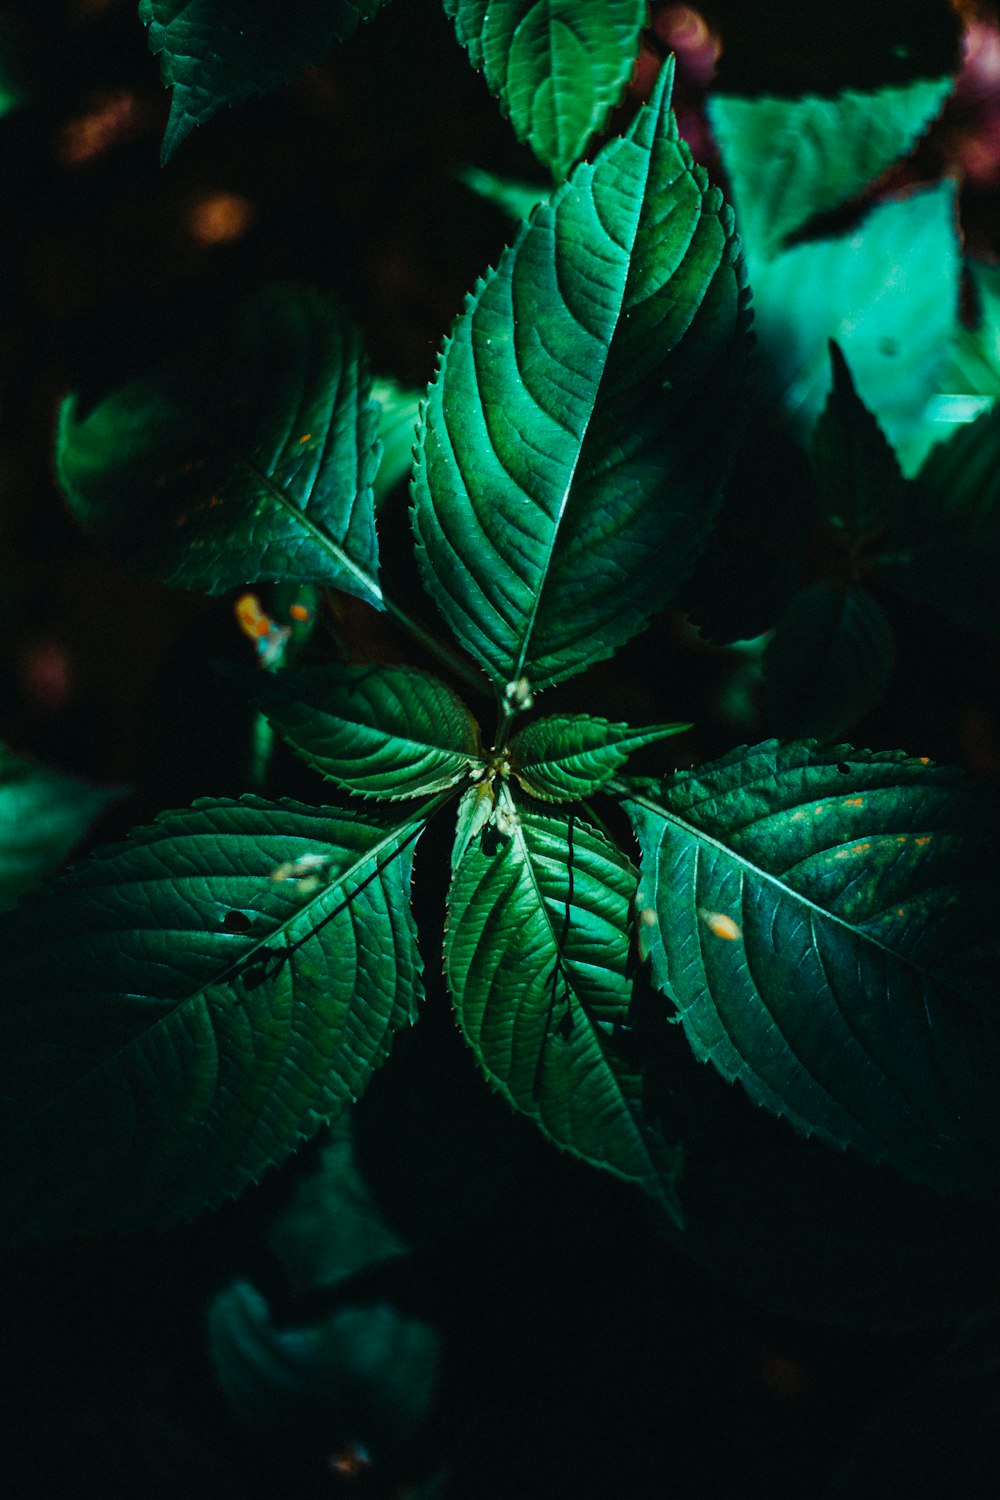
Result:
pixel 439 649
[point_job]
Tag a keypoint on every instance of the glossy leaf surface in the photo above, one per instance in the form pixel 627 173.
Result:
pixel 252 460
pixel 379 731
pixel 187 1007
pixel 790 159
pixel 823 920
pixel 572 441
pixel 557 66
pixel 43 813
pixel 218 52
pixel 887 292
pixel 537 958
pixel 566 756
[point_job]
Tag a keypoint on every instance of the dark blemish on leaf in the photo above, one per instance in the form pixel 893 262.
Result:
pixel 236 921
pixel 843 768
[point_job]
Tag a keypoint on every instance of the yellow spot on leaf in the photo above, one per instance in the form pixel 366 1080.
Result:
pixel 252 620
pixel 925 840
pixel 721 926
pixel 647 917
pixel 854 801
pixel 899 911
pixel 924 760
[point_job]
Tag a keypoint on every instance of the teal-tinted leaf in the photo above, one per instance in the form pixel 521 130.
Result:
pixel 379 731
pixel 828 662
pixel 511 195
pixel 887 292
pixel 974 365
pixel 948 552
pixel 572 755
pixel 537 958
pixel 574 437
pixel 216 52
pixel 557 66
pixel 359 1380
pixel 399 408
pixel 824 922
pixel 251 460
pixel 857 475
pixel 43 813
pixel 183 1009
pixel 790 159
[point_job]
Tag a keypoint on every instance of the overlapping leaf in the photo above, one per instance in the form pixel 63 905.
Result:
pixel 183 1009
pixel 790 159
pixel 380 731
pixel 574 436
pixel 251 460
pixel 216 52
pixel 829 661
pixel 43 813
pixel 857 473
pixel 887 293
pixel 557 66
pixel 566 756
pixel 537 956
pixel 824 922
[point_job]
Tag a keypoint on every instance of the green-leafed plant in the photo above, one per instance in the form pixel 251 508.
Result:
pixel 184 1009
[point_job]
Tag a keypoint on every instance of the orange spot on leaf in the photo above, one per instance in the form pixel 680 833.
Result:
pixel 925 840
pixel 853 801
pixel 299 612
pixel 721 926
pixel 305 437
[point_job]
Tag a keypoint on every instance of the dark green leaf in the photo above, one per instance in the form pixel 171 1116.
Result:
pixel 825 923
pixel 790 159
pixel 948 548
pixel 43 813
pixel 251 460
pixel 216 52
pixel 358 1381
pixel 537 958
pixel 574 438
pixel 557 66
pixel 567 756
pixel 183 1009
pixel 887 292
pixel 828 663
pixel 856 471
pixel 379 731
pixel 399 408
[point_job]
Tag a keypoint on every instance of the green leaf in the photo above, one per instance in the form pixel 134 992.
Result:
pixel 378 731
pixel 43 814
pixel 856 471
pixel 361 1378
pixel 829 661
pixel 513 196
pixel 537 958
pixel 566 756
pixel 575 435
pixel 183 1009
pixel 824 922
pixel 974 365
pixel 887 292
pixel 948 551
pixel 399 408
pixel 253 459
pixel 557 66
pixel 218 52
pixel 791 159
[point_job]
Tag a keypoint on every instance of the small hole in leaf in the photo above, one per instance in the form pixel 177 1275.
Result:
pixel 843 768
pixel 236 921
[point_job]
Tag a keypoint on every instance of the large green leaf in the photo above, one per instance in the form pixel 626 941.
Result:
pixel 557 66
pixel 887 292
pixel 790 159
pixel 829 661
pixel 857 474
pixel 216 52
pixel 181 1010
pixel 380 731
pixel 252 459
pixel 574 437
pixel 43 813
pixel 566 756
pixel 824 922
pixel 948 550
pixel 537 958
